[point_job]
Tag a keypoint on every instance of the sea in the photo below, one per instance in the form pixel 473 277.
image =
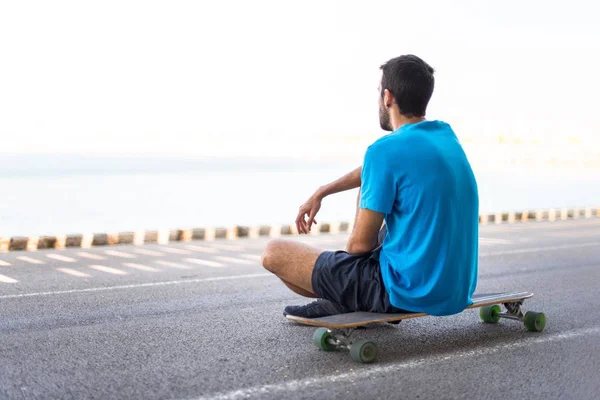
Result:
pixel 63 194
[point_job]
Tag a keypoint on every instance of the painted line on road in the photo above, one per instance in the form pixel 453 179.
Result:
pixel 30 260
pixel 138 285
pixel 538 249
pixel 202 249
pixel 108 270
pixel 326 241
pixel 73 272
pixel 91 256
pixel 575 234
pixel 308 383
pixel 141 267
pixel 173 264
pixel 254 257
pixel 234 260
pixel 203 262
pixel 119 254
pixel 4 263
pixel 230 247
pixel 545 225
pixel 175 250
pixel 487 240
pixel 148 252
pixel 6 279
pixel 60 257
pixel 512 271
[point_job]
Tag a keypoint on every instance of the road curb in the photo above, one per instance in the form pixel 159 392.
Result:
pixel 89 240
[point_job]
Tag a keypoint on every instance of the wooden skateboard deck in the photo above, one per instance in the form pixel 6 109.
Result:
pixel 356 319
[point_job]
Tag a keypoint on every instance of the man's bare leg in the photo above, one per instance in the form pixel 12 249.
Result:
pixel 293 263
pixel 298 290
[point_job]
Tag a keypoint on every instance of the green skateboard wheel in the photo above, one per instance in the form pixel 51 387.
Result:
pixel 489 314
pixel 363 351
pixel 320 339
pixel 534 321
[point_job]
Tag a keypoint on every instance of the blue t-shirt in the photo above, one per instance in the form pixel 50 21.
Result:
pixel 420 178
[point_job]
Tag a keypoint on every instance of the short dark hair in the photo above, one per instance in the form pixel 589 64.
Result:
pixel 410 80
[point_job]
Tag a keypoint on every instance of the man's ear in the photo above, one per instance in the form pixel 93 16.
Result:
pixel 388 99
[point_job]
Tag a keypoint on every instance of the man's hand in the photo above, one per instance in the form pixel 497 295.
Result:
pixel 310 210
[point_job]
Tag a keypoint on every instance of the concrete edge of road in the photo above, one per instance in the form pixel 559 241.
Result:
pixel 88 240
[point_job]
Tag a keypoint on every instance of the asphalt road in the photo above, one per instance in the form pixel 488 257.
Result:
pixel 203 320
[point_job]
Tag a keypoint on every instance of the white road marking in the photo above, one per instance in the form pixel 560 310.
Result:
pixel 175 250
pixel 60 257
pixel 326 241
pixel 4 263
pixel 148 252
pixel 234 260
pixel 108 270
pixel 255 257
pixel 539 249
pixel 173 264
pixel 201 248
pixel 231 247
pixel 141 267
pixel 484 240
pixel 139 285
pixel 91 256
pixel 203 262
pixel 6 279
pixel 30 260
pixel 298 385
pixel 575 234
pixel 73 272
pixel 119 254
pixel 341 243
pixel 543 225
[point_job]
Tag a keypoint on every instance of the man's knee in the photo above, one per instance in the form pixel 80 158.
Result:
pixel 272 254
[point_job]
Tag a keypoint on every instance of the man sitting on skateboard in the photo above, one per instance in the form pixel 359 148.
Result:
pixel 417 180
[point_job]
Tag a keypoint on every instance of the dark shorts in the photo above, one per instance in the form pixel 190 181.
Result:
pixel 352 281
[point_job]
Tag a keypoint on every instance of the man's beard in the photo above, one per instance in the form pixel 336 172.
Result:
pixel 384 119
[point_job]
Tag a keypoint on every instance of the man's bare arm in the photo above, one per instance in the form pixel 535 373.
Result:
pixel 363 238
pixel 312 206
pixel 347 182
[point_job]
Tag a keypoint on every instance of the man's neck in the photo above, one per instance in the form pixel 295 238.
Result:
pixel 399 120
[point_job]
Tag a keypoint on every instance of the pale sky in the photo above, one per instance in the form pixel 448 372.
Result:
pixel 181 77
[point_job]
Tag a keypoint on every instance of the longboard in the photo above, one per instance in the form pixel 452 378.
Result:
pixel 356 319
pixel 329 337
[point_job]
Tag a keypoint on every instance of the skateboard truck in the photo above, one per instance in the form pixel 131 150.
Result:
pixel 363 351
pixel 533 321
